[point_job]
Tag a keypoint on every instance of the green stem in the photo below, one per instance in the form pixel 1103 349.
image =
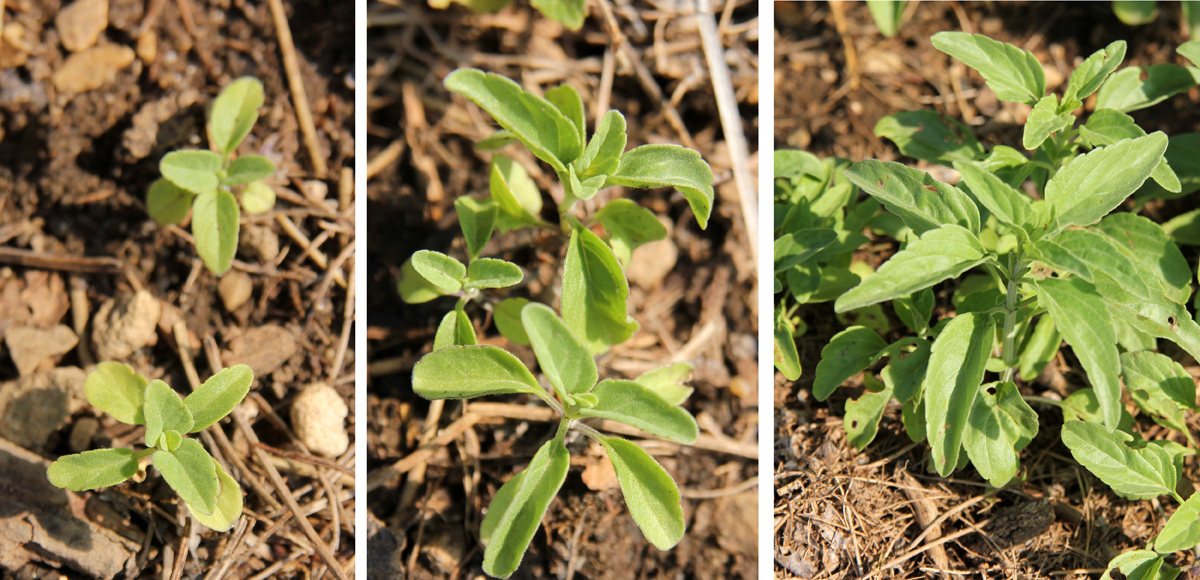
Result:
pixel 1042 400
pixel 589 431
pixel 144 453
pixel 1011 307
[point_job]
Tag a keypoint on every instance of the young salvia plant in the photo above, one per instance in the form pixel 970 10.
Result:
pixel 204 181
pixel 593 305
pixel 569 13
pixel 553 128
pixel 651 403
pixel 819 220
pixel 1058 267
pixel 211 495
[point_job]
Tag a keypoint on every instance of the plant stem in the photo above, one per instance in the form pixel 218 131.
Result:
pixel 144 453
pixel 589 431
pixel 1011 307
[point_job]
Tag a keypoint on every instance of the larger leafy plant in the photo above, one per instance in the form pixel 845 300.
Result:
pixel 1054 264
pixel 205 180
pixel 211 495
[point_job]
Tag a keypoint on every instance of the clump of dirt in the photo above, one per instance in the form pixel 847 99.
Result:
pixel 881 512
pixel 92 94
pixel 702 309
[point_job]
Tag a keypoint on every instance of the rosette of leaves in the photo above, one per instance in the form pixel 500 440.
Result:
pixel 1054 269
pixel 819 220
pixel 211 495
pixel 205 181
pixel 651 403
pixel 594 290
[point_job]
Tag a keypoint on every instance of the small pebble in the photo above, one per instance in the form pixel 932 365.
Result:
pixel 147 46
pixel 125 324
pixel 319 420
pixel 92 68
pixel 81 23
pixel 235 289
pixel 30 347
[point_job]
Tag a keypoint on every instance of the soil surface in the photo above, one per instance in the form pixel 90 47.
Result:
pixel 694 296
pixel 840 513
pixel 86 275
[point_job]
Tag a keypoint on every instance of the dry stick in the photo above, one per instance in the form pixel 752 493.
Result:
pixel 296 84
pixel 385 474
pixel 348 317
pixel 731 122
pixel 182 552
pixel 384 158
pixel 79 304
pixel 46 261
pixel 416 475
pixel 719 493
pixel 309 250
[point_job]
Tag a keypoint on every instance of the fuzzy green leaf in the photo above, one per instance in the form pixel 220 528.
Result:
pixel 164 410
pixel 594 293
pixel 937 255
pixel 258 198
pixel 1126 91
pixel 1183 160
pixel 535 121
pixel 215 228
pixel 511 534
pixel 229 504
pixel 92 469
pixel 1009 206
pixel 798 246
pixel 569 13
pixel 906 372
pixel 930 136
pixel 1182 531
pixel 498 506
pixel 887 15
pixel 1044 120
pixel 1106 127
pixel 507 317
pixel 170 441
pixel 193 170
pixel 1080 314
pixel 914 311
pixel 631 403
pixel 567 363
pixel 117 390
pixel 1160 387
pixel 787 360
pixel 192 473
pixel 1152 252
pixel 464 372
pixel 1094 184
pixel 234 112
pixel 413 287
pixel 1131 473
pixel 1139 564
pixel 246 169
pixel 1087 77
pixel 920 201
pixel 1013 74
pixel 862 414
pixel 1001 424
pixel 217 397
pixel 515 193
pixel 492 273
pixel 956 365
pixel 603 153
pixel 168 203
pixel 477 219
pixel 848 353
pixel 629 225
pixel 650 494
pixel 455 329
pixel 651 166
pixel 443 272
pixel 1039 349
pixel 667 382
pixel 566 99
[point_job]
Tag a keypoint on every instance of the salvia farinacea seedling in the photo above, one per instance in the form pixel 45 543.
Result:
pixel 651 403
pixel 204 181
pixel 553 128
pixel 569 13
pixel 211 495
pixel 1033 271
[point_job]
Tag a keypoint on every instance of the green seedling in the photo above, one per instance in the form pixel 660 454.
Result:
pixel 819 220
pixel 569 13
pixel 887 15
pixel 205 181
pixel 594 287
pixel 1139 13
pixel 211 495
pixel 1059 265
pixel 651 403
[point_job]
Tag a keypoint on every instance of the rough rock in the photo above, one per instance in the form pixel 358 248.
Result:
pixel 125 324
pixel 33 407
pixel 14 51
pixel 31 346
pixel 258 244
pixel 318 418
pixel 81 23
pixel 652 262
pixel 92 68
pixel 264 348
pixel 235 288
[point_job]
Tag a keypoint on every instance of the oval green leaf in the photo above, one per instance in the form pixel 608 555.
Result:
pixel 164 411
pixel 92 469
pixel 629 225
pixel 651 166
pixel 192 473
pixel 229 504
pixel 116 389
pixel 258 198
pixel 650 494
pixel 956 365
pixel 594 293
pixel 248 168
pixel 539 483
pixel 848 353
pixel 168 203
pixel 507 318
pixel 1182 531
pixel 1013 74
pixel 667 382
pixel 454 330
pixel 193 170
pixel 920 201
pixel 215 227
pixel 443 272
pixel 234 112
pixel 630 403
pixel 464 372
pixel 413 287
pixel 603 153
pixel 566 362
pixel 477 220
pixel 1131 473
pixel 492 273
pixel 1001 424
pixel 218 396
